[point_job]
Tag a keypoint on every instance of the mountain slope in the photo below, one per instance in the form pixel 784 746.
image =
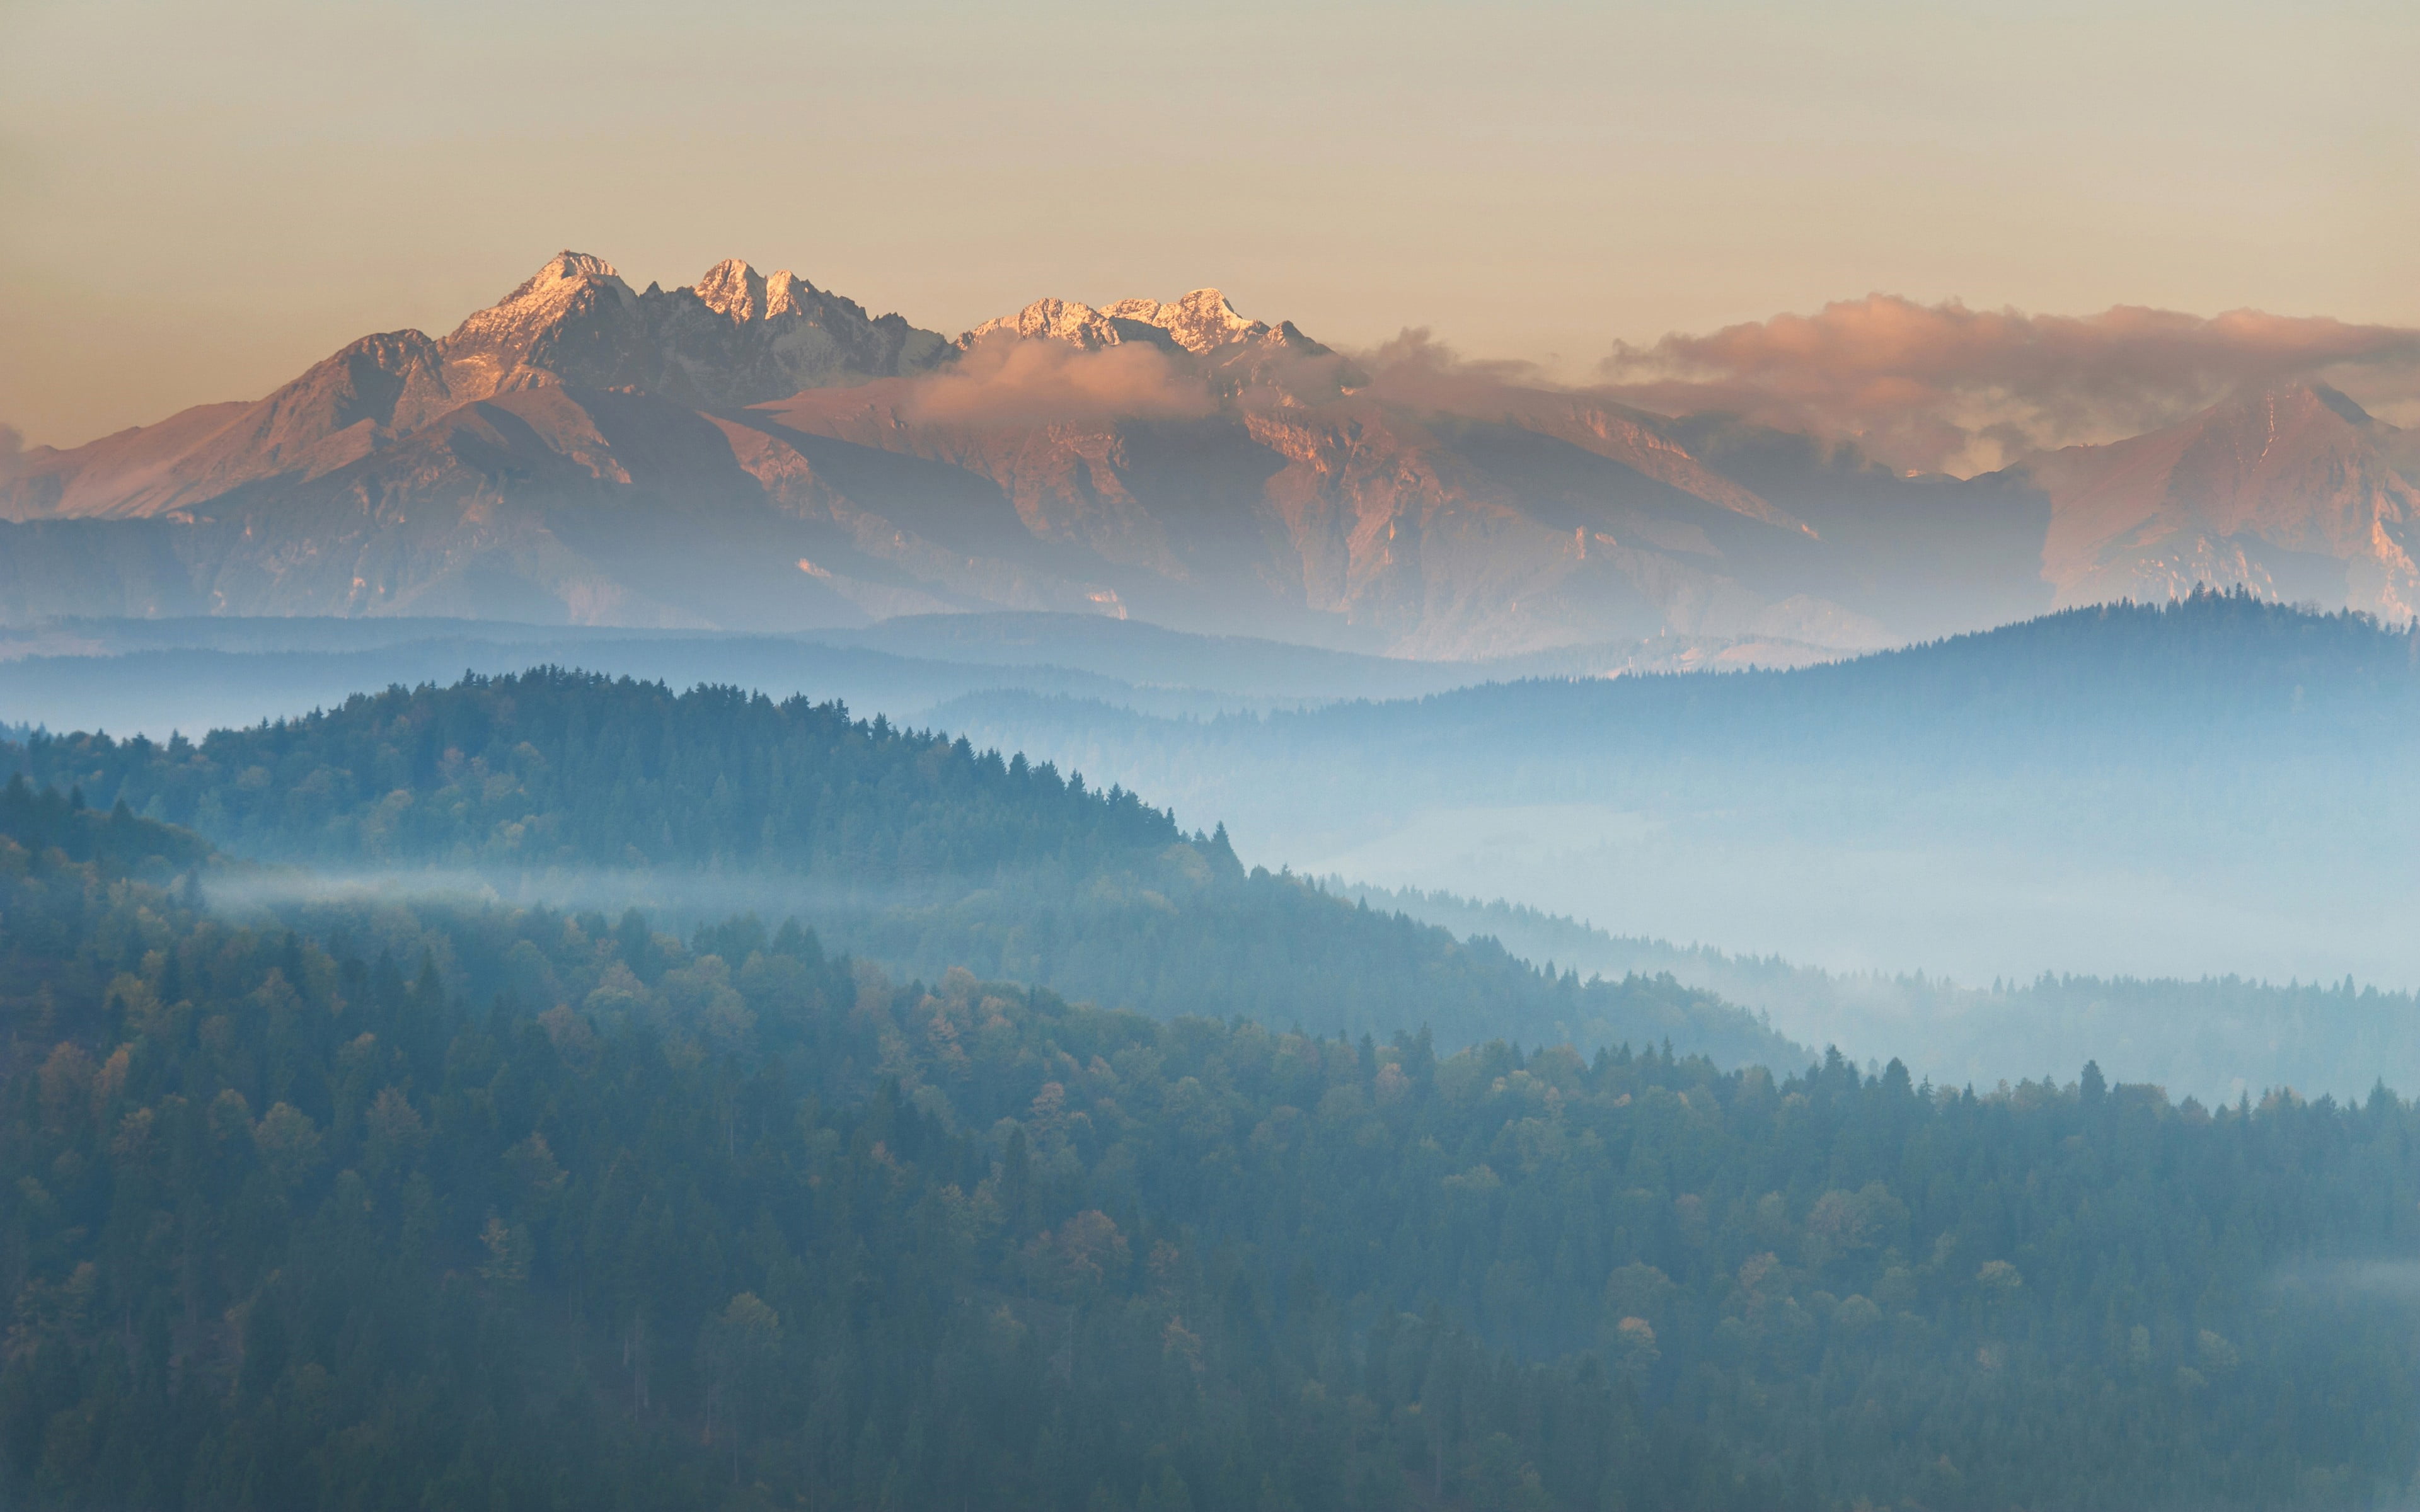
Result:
pixel 410 1207
pixel 2220 785
pixel 736 338
pixel 2296 493
pixel 1374 519
pixel 755 452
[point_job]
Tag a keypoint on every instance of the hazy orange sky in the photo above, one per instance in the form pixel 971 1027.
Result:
pixel 196 201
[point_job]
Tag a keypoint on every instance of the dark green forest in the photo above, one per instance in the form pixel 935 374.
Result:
pixel 321 1208
pixel 909 847
pixel 1038 1153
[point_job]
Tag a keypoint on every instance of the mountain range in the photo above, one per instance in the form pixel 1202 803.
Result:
pixel 755 452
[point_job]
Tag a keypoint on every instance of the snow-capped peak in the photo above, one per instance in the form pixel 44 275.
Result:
pixel 786 293
pixel 565 266
pixel 1200 322
pixel 545 295
pixel 1079 325
pixel 734 289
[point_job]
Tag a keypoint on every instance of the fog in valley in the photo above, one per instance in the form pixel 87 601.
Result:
pixel 2084 798
pixel 1510 758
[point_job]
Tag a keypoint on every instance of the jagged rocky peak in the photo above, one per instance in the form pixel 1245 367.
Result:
pixel 1201 323
pixel 1079 325
pixel 554 289
pixel 572 288
pixel 735 338
pixel 566 267
pixel 734 289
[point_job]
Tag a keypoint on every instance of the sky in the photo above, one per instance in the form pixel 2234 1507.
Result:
pixel 198 201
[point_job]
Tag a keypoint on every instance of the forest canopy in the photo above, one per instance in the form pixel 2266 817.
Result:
pixel 319 1209
pixel 909 847
pixel 1028 1148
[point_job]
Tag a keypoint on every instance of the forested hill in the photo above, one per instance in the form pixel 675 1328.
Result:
pixel 45 821
pixel 554 769
pixel 2215 786
pixel 912 848
pixel 294 1223
pixel 2128 725
pixel 2211 658
pixel 2138 683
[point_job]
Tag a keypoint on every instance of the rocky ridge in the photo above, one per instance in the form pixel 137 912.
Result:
pixel 1202 323
pixel 735 338
pixel 754 451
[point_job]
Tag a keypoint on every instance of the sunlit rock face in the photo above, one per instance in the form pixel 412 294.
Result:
pixel 585 450
pixel 2296 493
pixel 736 337
pixel 1201 323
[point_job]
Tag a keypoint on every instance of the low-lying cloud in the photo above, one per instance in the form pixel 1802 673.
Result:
pixel 666 893
pixel 2391 1280
pixel 1416 368
pixel 1945 388
pixel 1921 388
pixel 1003 380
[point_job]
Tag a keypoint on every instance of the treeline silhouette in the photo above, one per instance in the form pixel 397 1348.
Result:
pixel 400 1208
pixel 556 768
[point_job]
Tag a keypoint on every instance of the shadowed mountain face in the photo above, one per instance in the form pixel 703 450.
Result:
pixel 1358 517
pixel 754 453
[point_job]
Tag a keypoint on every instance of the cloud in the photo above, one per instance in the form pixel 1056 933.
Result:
pixel 1415 356
pixel 1942 387
pixel 1004 380
pixel 1416 369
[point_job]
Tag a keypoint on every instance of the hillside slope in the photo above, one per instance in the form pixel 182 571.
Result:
pixel 2217 786
pixel 2297 493
pixel 909 847
pixel 295 1221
